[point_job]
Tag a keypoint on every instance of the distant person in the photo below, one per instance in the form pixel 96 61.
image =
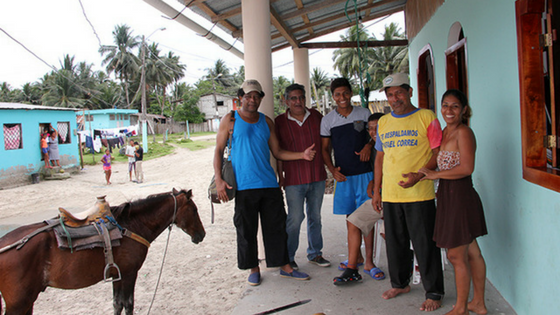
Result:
pixel 139 156
pixel 258 193
pixel 459 218
pixel 106 160
pixel 303 181
pixel 408 139
pixel 45 149
pixel 343 131
pixel 54 156
pixel 130 152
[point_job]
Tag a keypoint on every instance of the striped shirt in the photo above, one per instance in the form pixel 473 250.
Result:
pixel 295 137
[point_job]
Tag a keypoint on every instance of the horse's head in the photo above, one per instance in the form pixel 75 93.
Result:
pixel 187 216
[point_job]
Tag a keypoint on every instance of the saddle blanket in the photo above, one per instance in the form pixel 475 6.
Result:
pixel 84 237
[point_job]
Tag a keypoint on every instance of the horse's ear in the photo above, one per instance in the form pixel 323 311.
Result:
pixel 175 191
pixel 189 194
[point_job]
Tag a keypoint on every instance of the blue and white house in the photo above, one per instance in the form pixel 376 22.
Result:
pixel 20 153
pixel 106 118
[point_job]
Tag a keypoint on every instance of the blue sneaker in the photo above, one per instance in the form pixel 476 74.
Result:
pixel 254 279
pixel 298 275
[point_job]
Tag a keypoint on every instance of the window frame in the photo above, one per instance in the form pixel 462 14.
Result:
pixel 422 72
pixel 11 125
pixel 532 95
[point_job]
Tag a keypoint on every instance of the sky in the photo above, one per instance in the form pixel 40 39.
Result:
pixel 51 29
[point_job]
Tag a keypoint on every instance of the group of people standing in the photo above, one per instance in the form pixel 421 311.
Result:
pixel 135 154
pixel 384 167
pixel 49 148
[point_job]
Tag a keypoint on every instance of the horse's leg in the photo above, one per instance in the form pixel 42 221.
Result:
pixel 123 294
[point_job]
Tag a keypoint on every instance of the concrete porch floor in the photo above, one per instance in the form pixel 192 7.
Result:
pixel 360 298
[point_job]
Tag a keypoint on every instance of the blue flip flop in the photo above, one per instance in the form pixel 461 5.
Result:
pixel 374 272
pixel 345 263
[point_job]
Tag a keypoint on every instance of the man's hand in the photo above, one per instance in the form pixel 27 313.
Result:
pixel 412 177
pixel 221 186
pixel 338 176
pixel 365 154
pixel 309 153
pixel 376 202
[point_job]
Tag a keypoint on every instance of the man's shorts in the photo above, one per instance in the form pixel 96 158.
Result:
pixel 365 217
pixel 350 194
pixel 45 150
pixel 131 166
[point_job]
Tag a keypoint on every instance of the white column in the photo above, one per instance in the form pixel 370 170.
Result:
pixel 258 61
pixel 301 71
pixel 258 53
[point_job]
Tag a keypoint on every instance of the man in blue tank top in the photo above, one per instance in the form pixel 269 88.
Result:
pixel 258 192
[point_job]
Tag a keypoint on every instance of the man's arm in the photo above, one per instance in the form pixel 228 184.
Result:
pixel 326 150
pixel 285 155
pixel 378 176
pixel 221 141
pixel 414 177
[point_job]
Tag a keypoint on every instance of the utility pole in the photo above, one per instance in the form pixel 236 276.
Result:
pixel 143 82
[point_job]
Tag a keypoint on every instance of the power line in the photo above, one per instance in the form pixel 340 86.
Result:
pixel 93 28
pixel 81 88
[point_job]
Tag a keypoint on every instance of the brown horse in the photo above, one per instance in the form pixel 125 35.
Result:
pixel 28 271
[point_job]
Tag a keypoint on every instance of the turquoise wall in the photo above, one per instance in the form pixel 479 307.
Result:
pixel 101 118
pixel 523 218
pixel 28 159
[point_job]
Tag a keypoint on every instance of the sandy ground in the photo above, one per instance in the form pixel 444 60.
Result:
pixel 196 279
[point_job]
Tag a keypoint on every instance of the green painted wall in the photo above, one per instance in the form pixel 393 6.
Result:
pixel 521 249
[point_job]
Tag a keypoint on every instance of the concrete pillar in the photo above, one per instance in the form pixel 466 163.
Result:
pixel 258 61
pixel 301 71
pixel 258 52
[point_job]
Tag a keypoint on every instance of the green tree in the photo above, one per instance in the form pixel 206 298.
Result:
pixel 279 85
pixel 351 62
pixel 120 59
pixel 388 60
pixel 186 97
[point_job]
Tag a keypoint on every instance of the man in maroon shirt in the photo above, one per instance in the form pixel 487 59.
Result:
pixel 303 181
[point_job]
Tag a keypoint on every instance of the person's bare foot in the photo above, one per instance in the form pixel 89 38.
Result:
pixel 478 308
pixel 455 311
pixel 430 305
pixel 391 293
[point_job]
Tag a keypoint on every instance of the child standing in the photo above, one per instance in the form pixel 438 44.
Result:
pixel 106 159
pixel 45 149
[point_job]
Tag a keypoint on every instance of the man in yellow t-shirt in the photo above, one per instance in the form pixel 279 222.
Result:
pixel 407 140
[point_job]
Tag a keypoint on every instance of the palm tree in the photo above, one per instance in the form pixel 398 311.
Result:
pixel 220 73
pixel 279 85
pixel 351 62
pixel 388 60
pixel 319 80
pixel 120 59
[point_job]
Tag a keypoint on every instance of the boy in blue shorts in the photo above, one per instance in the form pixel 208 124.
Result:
pixel 344 131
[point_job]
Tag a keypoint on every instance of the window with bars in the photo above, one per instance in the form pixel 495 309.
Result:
pixel 63 132
pixel 12 137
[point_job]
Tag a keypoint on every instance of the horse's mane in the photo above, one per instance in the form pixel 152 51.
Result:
pixel 130 207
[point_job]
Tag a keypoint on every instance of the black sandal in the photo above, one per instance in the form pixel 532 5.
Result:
pixel 348 276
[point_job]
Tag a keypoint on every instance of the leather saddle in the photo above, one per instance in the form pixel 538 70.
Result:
pixel 100 210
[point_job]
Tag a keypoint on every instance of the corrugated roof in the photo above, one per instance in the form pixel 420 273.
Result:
pixel 293 22
pixel 32 107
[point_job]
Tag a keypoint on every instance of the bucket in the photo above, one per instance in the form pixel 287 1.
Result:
pixel 35 178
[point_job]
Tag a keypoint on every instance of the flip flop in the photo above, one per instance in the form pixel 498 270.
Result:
pixel 374 272
pixel 345 263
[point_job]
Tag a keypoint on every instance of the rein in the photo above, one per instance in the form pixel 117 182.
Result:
pixel 164 253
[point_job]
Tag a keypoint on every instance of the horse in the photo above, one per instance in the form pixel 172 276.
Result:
pixel 29 270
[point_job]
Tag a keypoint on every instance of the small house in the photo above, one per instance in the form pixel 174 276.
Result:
pixel 105 118
pixel 216 106
pixel 20 151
